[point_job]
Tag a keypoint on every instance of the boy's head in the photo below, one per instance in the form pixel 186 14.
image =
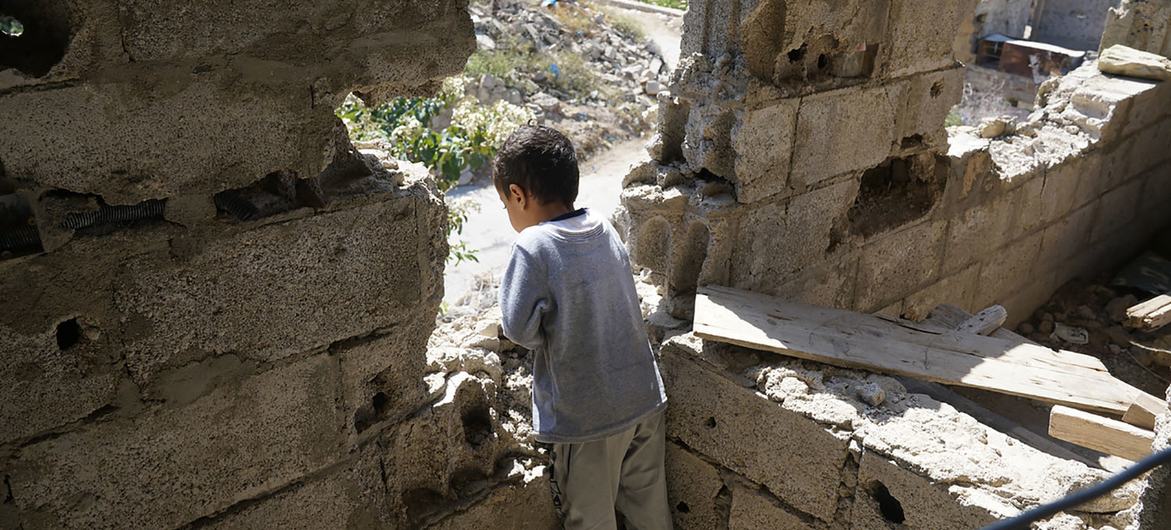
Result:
pixel 536 175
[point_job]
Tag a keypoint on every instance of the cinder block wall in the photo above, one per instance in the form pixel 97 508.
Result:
pixel 1142 24
pixel 801 153
pixel 758 441
pixel 844 190
pixel 213 310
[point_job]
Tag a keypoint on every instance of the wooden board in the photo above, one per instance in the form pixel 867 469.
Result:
pixel 1143 411
pixel 1105 435
pixel 985 322
pixel 855 340
pixel 1140 413
pixel 1150 315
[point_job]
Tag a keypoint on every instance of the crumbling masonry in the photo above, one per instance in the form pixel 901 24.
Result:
pixel 801 153
pixel 216 312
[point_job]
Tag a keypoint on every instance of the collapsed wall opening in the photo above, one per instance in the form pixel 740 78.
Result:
pixel 890 507
pixel 39 32
pixel 896 192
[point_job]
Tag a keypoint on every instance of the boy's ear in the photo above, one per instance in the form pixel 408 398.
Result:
pixel 517 193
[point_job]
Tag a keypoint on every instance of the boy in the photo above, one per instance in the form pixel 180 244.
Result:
pixel 568 296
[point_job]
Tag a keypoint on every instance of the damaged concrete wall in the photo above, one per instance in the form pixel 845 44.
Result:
pixel 215 310
pixel 818 169
pixel 1141 24
pixel 801 153
pixel 1074 24
pixel 762 441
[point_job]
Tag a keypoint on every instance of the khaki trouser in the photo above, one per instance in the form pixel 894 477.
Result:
pixel 623 471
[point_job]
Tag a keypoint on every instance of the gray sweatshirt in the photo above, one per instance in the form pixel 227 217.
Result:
pixel 568 296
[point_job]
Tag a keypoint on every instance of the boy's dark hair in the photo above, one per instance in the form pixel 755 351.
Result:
pixel 542 161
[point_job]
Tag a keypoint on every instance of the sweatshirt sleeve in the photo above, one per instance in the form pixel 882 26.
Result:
pixel 524 299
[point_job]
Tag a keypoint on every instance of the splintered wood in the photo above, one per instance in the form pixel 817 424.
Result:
pixel 856 340
pixel 1100 434
pixel 1150 315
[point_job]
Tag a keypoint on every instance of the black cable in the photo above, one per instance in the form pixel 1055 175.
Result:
pixel 1084 495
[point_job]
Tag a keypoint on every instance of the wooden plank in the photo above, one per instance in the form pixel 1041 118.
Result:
pixel 1105 435
pixel 855 340
pixel 985 322
pixel 1143 411
pixel 1150 315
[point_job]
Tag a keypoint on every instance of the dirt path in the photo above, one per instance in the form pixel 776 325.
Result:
pixel 487 229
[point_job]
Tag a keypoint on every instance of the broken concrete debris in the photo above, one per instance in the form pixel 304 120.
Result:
pixel 1127 61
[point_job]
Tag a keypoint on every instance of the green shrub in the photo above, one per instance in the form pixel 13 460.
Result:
pixel 471 140
pixel 677 4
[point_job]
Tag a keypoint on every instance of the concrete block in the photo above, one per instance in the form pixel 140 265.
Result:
pixel 977 232
pixel 922 34
pixel 792 42
pixel 777 240
pixel 1093 170
pixel 520 506
pixel 958 289
pixel 763 142
pixel 830 284
pixel 842 131
pixel 323 278
pixel 1059 191
pixel 1150 148
pixel 382 375
pixel 1156 195
pixel 1030 211
pixel 1008 268
pixel 1065 238
pixel 350 496
pixel 889 496
pixel 895 265
pixel 924 102
pixel 43 386
pixel 463 428
pixel 797 459
pixel 707 142
pixel 1022 301
pixel 694 491
pixel 1119 207
pixel 753 510
pixel 173 465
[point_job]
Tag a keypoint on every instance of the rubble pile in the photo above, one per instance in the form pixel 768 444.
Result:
pixel 587 72
pixel 1087 316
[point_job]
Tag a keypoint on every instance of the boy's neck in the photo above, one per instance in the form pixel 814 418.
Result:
pixel 552 210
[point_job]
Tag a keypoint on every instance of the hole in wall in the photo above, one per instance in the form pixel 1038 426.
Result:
pixel 896 192
pixel 936 89
pixel 912 142
pixel 822 62
pixel 711 422
pixel 369 414
pixel 18 230
pixel 688 261
pixel 276 193
pixel 421 503
pixel 477 425
pixel 36 36
pixel 890 507
pixel 682 507
pixel 68 334
pixel 798 54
